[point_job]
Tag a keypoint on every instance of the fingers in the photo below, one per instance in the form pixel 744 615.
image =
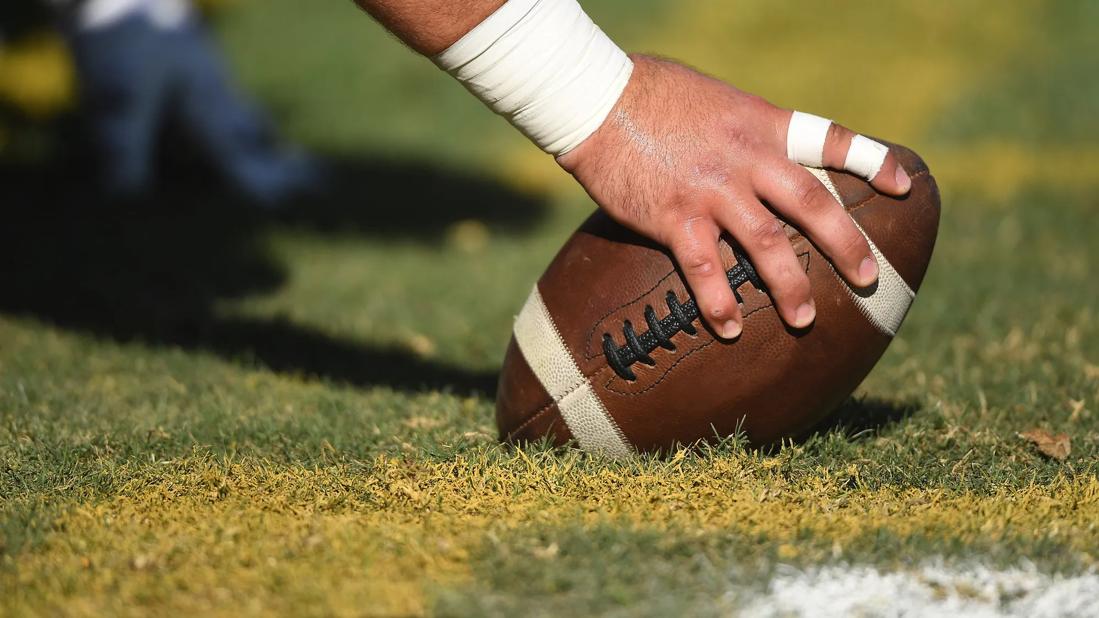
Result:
pixel 763 238
pixel 816 142
pixel 694 245
pixel 801 199
pixel 846 150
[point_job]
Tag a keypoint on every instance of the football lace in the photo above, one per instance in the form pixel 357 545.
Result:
pixel 638 347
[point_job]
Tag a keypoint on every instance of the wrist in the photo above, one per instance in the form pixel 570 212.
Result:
pixel 545 66
pixel 618 120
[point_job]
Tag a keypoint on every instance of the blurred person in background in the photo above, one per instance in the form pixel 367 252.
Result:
pixel 143 63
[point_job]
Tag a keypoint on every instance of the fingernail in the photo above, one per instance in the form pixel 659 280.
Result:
pixel 805 315
pixel 868 270
pixel 731 329
pixel 904 183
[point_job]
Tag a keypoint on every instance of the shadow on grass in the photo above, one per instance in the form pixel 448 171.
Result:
pixel 857 418
pixel 153 271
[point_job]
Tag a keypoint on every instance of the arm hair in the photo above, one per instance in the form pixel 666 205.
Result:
pixel 429 26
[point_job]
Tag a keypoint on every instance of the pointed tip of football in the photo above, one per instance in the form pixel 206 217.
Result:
pixel 525 412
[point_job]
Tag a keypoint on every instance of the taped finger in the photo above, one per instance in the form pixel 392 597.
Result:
pixel 865 157
pixel 805 139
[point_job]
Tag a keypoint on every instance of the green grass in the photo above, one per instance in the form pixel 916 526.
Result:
pixel 207 409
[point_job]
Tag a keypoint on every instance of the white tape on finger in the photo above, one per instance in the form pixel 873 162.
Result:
pixel 865 157
pixel 805 139
pixel 543 65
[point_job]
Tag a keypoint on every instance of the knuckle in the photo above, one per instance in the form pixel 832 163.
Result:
pixel 791 284
pixel 766 233
pixel 695 261
pixel 853 243
pixel 762 108
pixel 674 223
pixel 758 106
pixel 685 213
pixel 754 100
pixel 813 195
pixel 837 132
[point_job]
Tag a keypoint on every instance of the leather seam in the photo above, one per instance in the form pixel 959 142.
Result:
pixel 536 415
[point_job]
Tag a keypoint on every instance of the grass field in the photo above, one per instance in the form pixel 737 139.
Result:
pixel 203 408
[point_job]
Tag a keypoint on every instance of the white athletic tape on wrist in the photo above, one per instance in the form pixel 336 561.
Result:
pixel 543 65
pixel 805 139
pixel 865 157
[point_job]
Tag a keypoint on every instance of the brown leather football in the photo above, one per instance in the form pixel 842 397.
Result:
pixel 609 350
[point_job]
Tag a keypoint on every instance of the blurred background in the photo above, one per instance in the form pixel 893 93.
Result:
pixel 222 384
pixel 332 204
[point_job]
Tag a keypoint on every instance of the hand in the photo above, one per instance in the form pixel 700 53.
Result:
pixel 684 157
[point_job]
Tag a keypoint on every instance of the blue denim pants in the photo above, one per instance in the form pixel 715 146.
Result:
pixel 134 76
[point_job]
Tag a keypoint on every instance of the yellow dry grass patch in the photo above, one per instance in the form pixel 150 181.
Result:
pixel 200 535
pixel 1000 169
pixel 884 68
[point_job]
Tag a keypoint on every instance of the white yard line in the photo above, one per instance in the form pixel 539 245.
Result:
pixel 931 591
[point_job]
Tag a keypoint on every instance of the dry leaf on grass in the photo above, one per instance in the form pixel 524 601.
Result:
pixel 1058 446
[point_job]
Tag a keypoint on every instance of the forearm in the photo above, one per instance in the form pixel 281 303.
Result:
pixel 542 64
pixel 429 26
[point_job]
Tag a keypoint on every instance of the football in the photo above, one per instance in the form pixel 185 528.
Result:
pixel 609 351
